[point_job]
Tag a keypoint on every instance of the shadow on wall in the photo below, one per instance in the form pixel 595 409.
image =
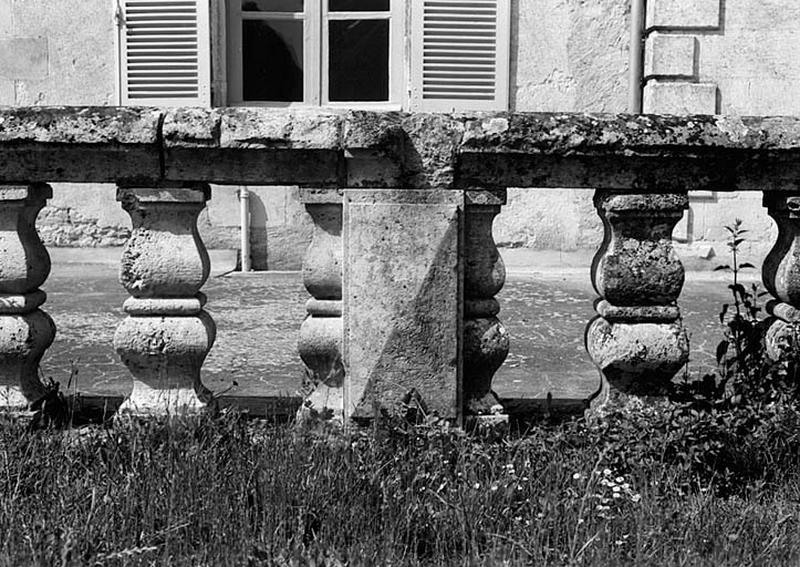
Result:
pixel 280 229
pixel 259 246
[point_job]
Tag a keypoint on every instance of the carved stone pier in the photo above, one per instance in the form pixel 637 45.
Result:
pixel 167 335
pixel 637 341
pixel 485 342
pixel 781 274
pixel 320 343
pixel 25 330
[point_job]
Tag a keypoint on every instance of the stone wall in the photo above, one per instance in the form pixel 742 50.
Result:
pixel 738 57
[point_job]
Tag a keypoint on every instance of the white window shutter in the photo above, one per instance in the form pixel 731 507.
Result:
pixel 165 52
pixel 460 55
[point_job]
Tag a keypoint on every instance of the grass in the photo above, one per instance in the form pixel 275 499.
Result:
pixel 225 491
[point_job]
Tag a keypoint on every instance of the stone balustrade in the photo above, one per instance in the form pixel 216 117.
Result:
pixel 402 271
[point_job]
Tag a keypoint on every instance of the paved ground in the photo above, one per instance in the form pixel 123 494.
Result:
pixel 545 310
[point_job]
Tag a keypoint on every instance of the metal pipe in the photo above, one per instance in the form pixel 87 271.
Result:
pixel 636 56
pixel 244 214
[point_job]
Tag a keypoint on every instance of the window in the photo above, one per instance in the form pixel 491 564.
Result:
pixel 436 55
pixel 327 52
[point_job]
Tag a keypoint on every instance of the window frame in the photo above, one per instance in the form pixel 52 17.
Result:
pixel 316 16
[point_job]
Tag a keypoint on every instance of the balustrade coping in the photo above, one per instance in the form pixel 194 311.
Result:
pixel 360 149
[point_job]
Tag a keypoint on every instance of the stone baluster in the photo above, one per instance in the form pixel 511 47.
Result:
pixel 486 341
pixel 167 334
pixel 25 330
pixel 320 343
pixel 637 341
pixel 781 274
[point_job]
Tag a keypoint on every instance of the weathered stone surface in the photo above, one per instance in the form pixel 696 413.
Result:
pixel 781 268
pixel 622 152
pixel 25 331
pixel 401 149
pixel 79 144
pixel 167 335
pixel 321 334
pixel 24 338
pixel 637 264
pixel 252 145
pixel 625 134
pixel 638 342
pixel 637 313
pixel 165 306
pixel 781 275
pixel 25 263
pixel 670 55
pixel 637 358
pixel 679 98
pixel 22 303
pixel 480 150
pixel 486 341
pixel 23 58
pixel 676 14
pixel 164 256
pixel 6 18
pixel 164 355
pixel 402 295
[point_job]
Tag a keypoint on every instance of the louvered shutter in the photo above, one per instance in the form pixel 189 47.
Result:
pixel 460 55
pixel 165 52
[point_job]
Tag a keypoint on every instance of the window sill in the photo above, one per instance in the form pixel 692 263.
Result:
pixel 379 106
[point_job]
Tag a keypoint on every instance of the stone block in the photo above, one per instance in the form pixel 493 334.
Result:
pixel 679 98
pixel 261 146
pixel 6 18
pixel 670 55
pixel 92 144
pixel 402 301
pixel 393 149
pixel 7 92
pixel 678 14
pixel 23 58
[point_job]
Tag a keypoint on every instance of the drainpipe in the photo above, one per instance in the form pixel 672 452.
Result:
pixel 244 214
pixel 635 71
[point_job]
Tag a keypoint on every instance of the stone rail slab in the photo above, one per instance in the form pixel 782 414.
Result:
pixel 322 148
pixel 86 144
pixel 253 146
pixel 649 153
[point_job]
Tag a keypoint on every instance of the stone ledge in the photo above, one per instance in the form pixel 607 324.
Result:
pixel 670 55
pixel 92 144
pixel 678 14
pixel 399 150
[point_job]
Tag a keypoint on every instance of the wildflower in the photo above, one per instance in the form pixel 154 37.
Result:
pixel 636 497
pixel 606 472
pixel 577 476
pixel 477 485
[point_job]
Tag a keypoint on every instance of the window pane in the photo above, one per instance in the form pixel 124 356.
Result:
pixel 272 60
pixel 272 5
pixel 358 5
pixel 359 60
